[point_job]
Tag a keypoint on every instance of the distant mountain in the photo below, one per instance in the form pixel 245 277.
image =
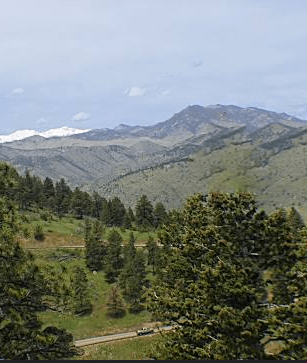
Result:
pixel 198 149
pixel 23 134
pixel 195 120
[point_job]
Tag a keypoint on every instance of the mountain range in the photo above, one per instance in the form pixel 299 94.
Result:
pixel 218 147
pixel 23 134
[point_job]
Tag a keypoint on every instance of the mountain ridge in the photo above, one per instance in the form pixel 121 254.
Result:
pixel 193 119
pixel 127 161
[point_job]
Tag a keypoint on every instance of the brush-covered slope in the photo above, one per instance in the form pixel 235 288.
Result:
pixel 277 177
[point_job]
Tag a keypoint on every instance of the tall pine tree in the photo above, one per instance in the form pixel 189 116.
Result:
pixel 114 258
pixel 210 285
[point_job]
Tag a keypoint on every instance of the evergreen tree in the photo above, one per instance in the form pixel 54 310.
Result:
pixel 133 281
pixel 127 223
pixel 104 215
pixel 114 258
pixel 87 231
pixel 144 213
pixel 160 215
pixel 117 212
pixel 96 248
pixel 9 180
pixel 82 303
pixel 295 219
pixel 286 260
pixel 98 203
pixel 62 197
pixel 48 194
pixel 81 203
pixel 152 252
pixel 37 194
pixel 58 291
pixel 210 284
pixel 131 214
pixel 22 288
pixel 129 249
pixel 115 304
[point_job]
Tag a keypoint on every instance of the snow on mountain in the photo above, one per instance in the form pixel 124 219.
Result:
pixel 23 134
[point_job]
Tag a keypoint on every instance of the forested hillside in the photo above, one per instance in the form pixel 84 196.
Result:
pixel 41 290
pixel 227 276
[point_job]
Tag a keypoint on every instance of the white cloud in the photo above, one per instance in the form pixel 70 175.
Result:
pixel 81 116
pixel 165 92
pixel 17 91
pixel 135 91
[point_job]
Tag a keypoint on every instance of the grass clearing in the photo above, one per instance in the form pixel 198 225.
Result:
pixel 98 323
pixel 139 348
pixel 68 231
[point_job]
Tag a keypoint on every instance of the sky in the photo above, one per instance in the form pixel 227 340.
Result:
pixel 100 63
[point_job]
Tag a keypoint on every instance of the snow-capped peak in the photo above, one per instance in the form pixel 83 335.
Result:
pixel 23 134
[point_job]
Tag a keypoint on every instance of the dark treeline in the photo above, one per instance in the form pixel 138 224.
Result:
pixel 30 191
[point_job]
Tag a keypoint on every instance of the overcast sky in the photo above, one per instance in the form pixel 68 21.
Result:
pixel 100 63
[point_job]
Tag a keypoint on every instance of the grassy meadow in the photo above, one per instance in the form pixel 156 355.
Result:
pixel 126 349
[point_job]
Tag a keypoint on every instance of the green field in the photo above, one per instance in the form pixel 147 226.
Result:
pixel 68 231
pixel 128 349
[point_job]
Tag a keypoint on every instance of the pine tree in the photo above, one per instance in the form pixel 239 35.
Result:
pixel 104 215
pixel 160 215
pixel 152 253
pixel 115 305
pixel 131 214
pixel 210 284
pixel 129 249
pixel 80 203
pixel 144 213
pixel 133 276
pixel 98 203
pixel 22 288
pixel 295 219
pixel 96 248
pixel 9 179
pixel 127 223
pixel 114 258
pixel 117 212
pixel 133 280
pixel 82 303
pixel 58 291
pixel 286 259
pixel 48 194
pixel 62 197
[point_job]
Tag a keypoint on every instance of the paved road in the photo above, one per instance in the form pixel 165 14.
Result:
pixel 109 338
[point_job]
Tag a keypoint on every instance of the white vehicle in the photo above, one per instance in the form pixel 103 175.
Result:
pixel 145 331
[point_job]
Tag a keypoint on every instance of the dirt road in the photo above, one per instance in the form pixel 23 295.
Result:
pixel 109 338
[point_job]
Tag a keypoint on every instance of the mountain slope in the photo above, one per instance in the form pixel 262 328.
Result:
pixel 279 179
pixel 197 149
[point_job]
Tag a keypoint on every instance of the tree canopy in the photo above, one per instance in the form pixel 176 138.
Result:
pixel 209 285
pixel 22 288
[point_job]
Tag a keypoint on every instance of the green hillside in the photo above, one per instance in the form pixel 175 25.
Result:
pixel 278 178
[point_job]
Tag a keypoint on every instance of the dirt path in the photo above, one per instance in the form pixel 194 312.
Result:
pixel 112 337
